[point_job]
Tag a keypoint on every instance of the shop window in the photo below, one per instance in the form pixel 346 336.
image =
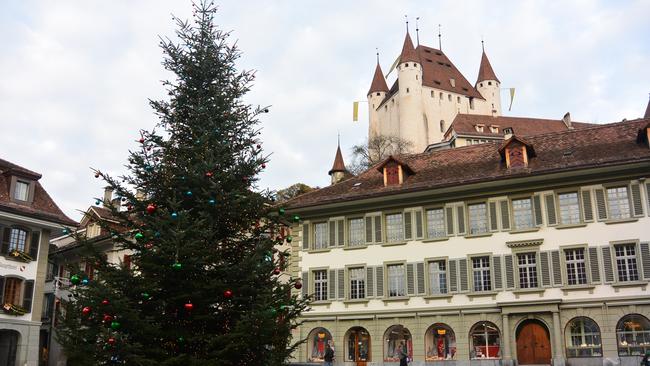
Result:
pixel 357 345
pixel 316 342
pixel 633 335
pixel 583 338
pixel 440 343
pixel 396 339
pixel 485 341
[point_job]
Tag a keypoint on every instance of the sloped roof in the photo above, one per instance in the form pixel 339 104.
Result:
pixel 42 207
pixel 339 165
pixel 408 51
pixel 485 71
pixel 378 81
pixel 465 124
pixel 596 146
pixel 647 111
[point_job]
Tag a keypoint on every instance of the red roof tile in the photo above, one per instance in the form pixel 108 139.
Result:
pixel 596 146
pixel 485 71
pixel 408 51
pixel 465 124
pixel 339 165
pixel 378 81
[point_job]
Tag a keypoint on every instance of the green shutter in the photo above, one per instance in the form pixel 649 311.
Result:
pixel 453 275
pixel 510 279
pixel 408 226
pixel 601 206
pixel 450 220
pixel 331 225
pixel 305 236
pixel 420 276
pixel 410 279
pixel 379 276
pixel 305 284
pixel 587 210
pixel 370 282
pixel 331 283
pixel 340 283
pixel 498 276
pixel 378 236
pixel 637 201
pixel 556 267
pixel 607 264
pixel 494 223
pixel 419 231
pixel 537 209
pixel 368 229
pixel 34 244
pixel 551 216
pixel 340 232
pixel 28 295
pixel 4 249
pixel 460 215
pixel 594 268
pixel 647 196
pixel 645 259
pixel 2 288
pixel 545 264
pixel 505 215
pixel 462 269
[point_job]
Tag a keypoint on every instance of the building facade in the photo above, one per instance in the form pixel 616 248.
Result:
pixel 531 250
pixel 28 216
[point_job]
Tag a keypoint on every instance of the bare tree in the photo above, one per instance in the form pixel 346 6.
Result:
pixel 376 149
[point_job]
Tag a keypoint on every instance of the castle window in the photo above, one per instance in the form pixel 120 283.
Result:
pixel 479 128
pixel 440 96
pixel 489 83
pixel 406 65
pixel 432 94
pixel 407 90
pixel 458 99
pixel 494 129
pixel 429 60
pixel 442 125
pixel 449 97
pixel 438 53
pixel 378 93
pixel 416 77
pixel 471 103
pixel 452 82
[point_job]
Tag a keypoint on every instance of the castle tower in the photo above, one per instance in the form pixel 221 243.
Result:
pixel 338 172
pixel 376 95
pixel 488 85
pixel 412 123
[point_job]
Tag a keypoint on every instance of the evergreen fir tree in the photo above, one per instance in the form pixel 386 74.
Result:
pixel 205 286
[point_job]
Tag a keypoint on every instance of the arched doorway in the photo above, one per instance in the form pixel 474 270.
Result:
pixel 316 342
pixel 8 346
pixel 357 346
pixel 395 337
pixel 533 343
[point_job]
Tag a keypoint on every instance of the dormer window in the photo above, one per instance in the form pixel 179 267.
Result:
pixel 394 171
pixel 452 82
pixel 516 152
pixel 494 129
pixel 21 191
pixel 93 230
pixel 479 127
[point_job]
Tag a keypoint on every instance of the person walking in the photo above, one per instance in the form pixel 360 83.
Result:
pixel 645 361
pixel 328 357
pixel 403 355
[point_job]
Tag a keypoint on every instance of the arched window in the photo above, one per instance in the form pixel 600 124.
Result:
pixel 583 338
pixel 395 337
pixel 440 343
pixel 316 342
pixel 633 335
pixel 485 341
pixel 357 345
pixel 442 126
pixel 17 239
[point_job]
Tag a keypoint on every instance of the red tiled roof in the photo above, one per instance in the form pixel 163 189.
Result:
pixel 339 165
pixel 378 81
pixel 465 124
pixel 647 111
pixel 596 146
pixel 42 207
pixel 485 71
pixel 408 51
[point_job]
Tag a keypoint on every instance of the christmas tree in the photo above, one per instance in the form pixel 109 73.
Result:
pixel 205 286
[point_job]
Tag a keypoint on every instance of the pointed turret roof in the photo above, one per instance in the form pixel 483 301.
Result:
pixel 647 110
pixel 378 81
pixel 339 165
pixel 485 72
pixel 408 51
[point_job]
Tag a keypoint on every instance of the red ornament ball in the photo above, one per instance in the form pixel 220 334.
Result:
pixel 263 166
pixel 141 140
pixel 297 285
pixel 105 302
pixel 189 306
pixel 97 175
pixel 148 246
pixel 208 174
pixel 277 271
pixel 111 341
pixel 151 208
pixel 107 318
pixel 86 310
pixel 227 294
pixel 259 146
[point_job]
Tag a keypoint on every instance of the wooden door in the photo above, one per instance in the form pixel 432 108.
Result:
pixel 533 345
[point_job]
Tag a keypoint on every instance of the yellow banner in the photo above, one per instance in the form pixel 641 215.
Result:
pixel 393 66
pixel 355 111
pixel 512 97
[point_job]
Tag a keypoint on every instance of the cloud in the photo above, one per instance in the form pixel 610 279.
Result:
pixel 76 76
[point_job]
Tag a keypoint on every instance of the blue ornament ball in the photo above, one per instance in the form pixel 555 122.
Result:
pixel 212 201
pixel 174 215
pixel 84 281
pixel 188 193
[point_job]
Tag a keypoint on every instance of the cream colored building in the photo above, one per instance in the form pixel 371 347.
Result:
pixel 532 250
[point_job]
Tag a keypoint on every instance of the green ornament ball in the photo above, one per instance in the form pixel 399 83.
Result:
pixel 75 279
pixel 145 295
pixel 281 211
pixel 138 236
pixel 177 266
pixel 289 239
pixel 115 325
pixel 296 218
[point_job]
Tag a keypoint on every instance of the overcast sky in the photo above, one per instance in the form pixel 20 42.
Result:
pixel 75 76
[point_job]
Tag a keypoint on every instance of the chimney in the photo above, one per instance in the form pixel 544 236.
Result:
pixel 108 196
pixel 508 132
pixel 567 120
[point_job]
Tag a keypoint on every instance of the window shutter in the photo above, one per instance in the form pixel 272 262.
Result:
pixel 419 231
pixel 379 272
pixel 556 265
pixel 453 275
pixel 305 284
pixel 587 210
pixel 510 279
pixel 460 213
pixel 505 215
pixel 420 275
pixel 498 276
pixel 331 284
pixel 462 268
pixel 494 224
pixel 645 259
pixel 546 271
pixel 2 289
pixel 594 268
pixel 408 226
pixel 637 201
pixel 332 229
pixel 340 226
pixel 600 204
pixel 340 285
pixel 607 264
pixel 537 208
pixel 305 236
pixel 378 237
pixel 28 295
pixel 551 215
pixel 370 282
pixel 450 220
pixel 34 244
pixel 5 240
pixel 368 229
pixel 410 279
pixel 647 196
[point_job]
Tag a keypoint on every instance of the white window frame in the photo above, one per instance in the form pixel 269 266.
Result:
pixel 434 277
pixel 618 207
pixel 352 233
pixel 527 270
pixel 396 282
pixel 320 282
pixel 517 209
pixel 576 266
pixel 394 228
pixel 321 240
pixel 436 229
pixel 479 221
pixel 19 193
pixel 481 274
pixel 569 211
pixel 357 283
pixel 627 263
